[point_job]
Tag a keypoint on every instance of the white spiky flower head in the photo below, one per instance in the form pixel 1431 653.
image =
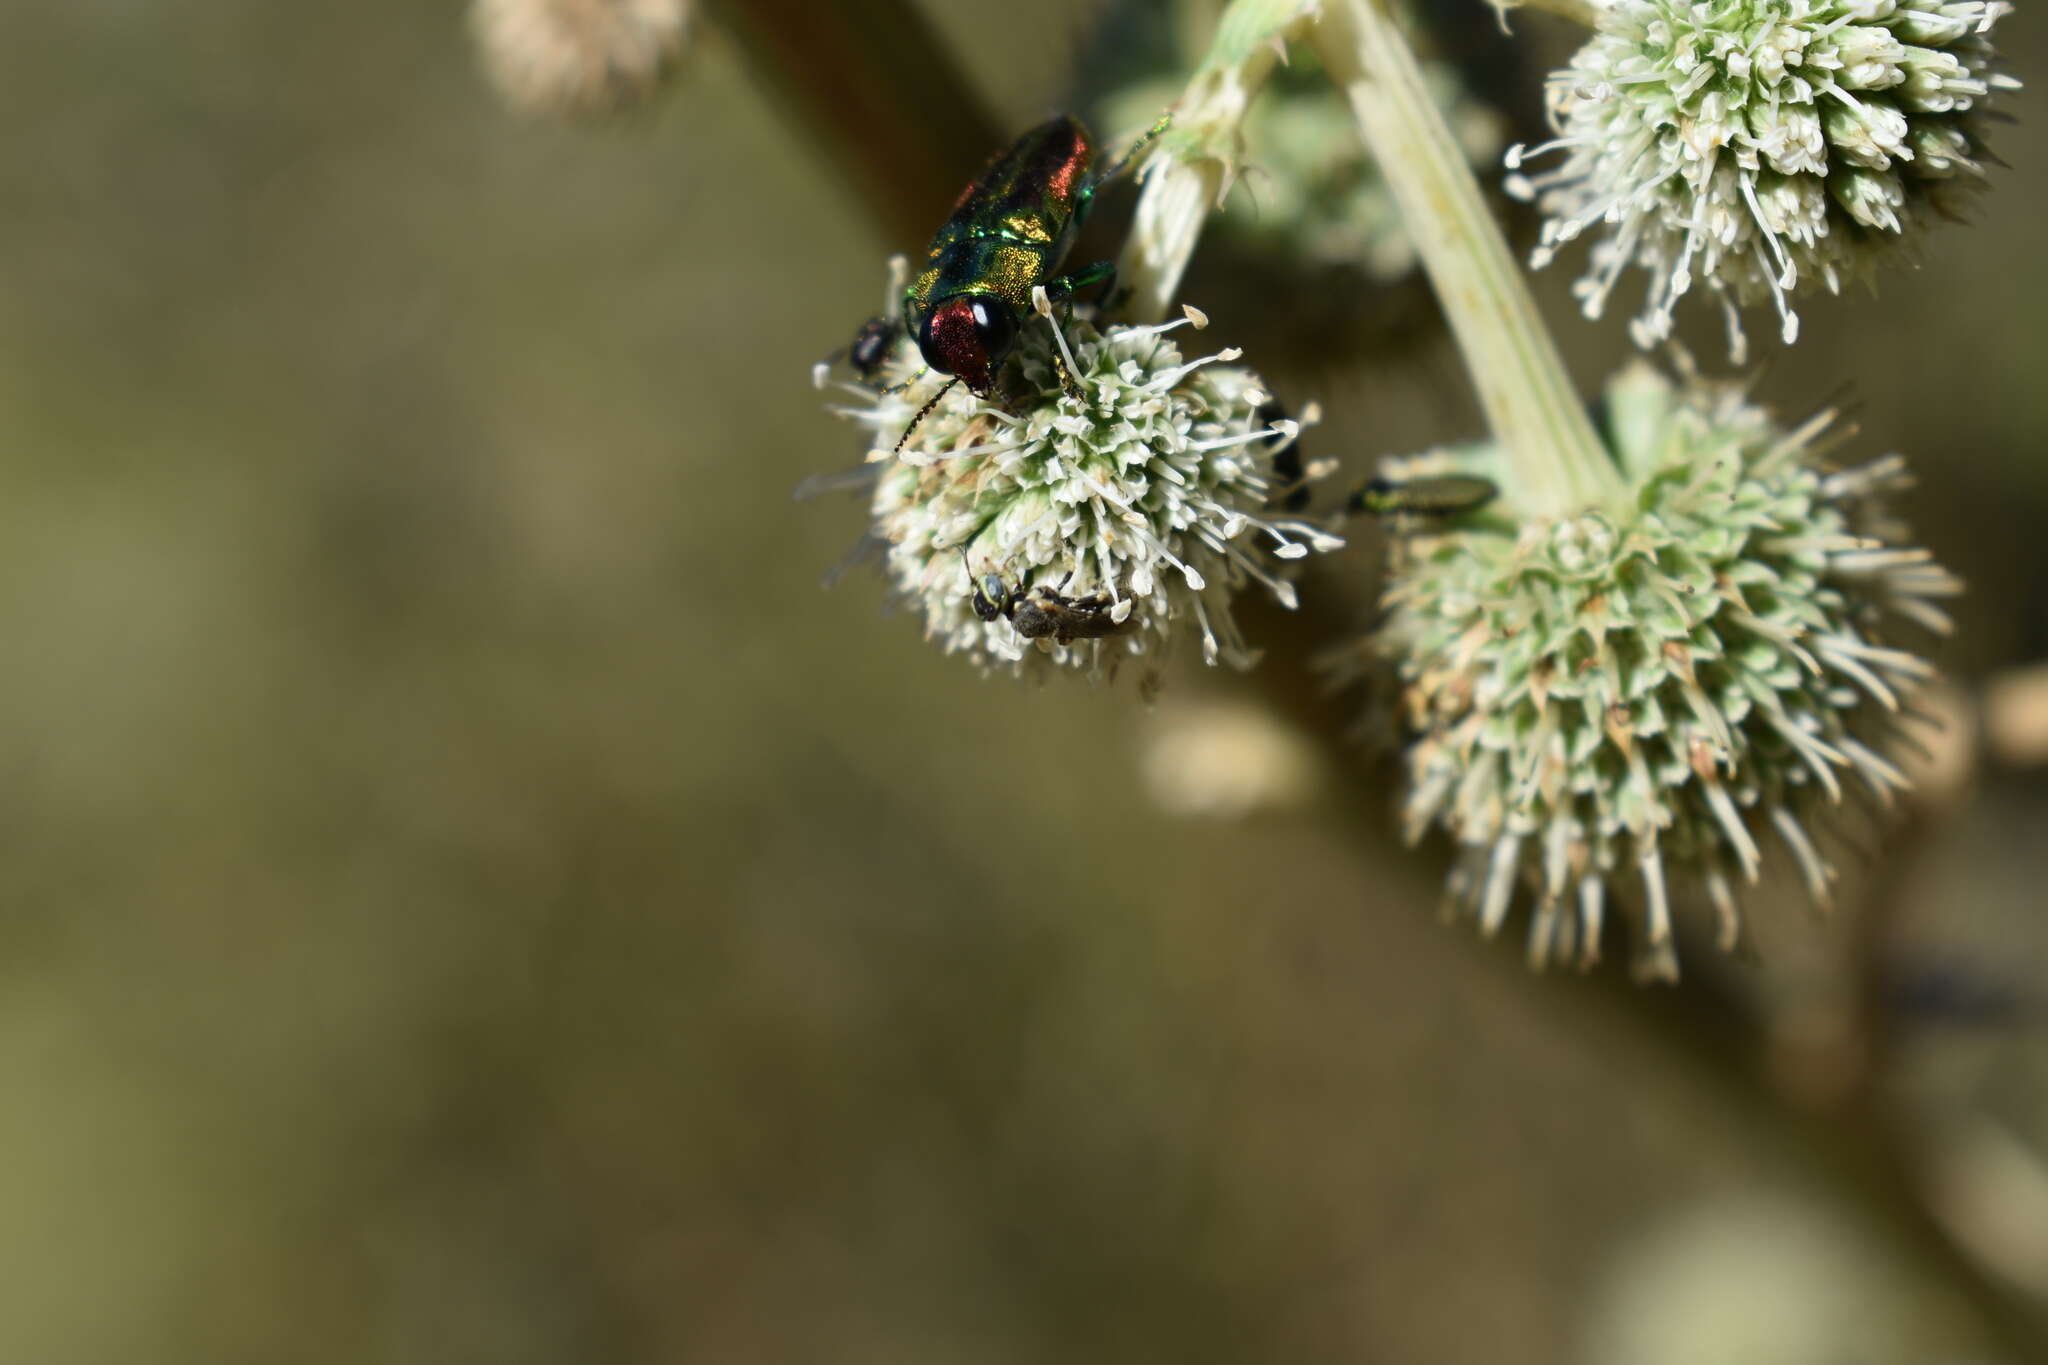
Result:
pixel 1138 488
pixel 1649 692
pixel 1762 146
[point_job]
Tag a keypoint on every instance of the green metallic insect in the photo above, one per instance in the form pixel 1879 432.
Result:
pixel 1434 497
pixel 1009 233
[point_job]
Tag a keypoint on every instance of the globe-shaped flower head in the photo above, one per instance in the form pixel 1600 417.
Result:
pixel 1107 497
pixel 1762 146
pixel 1654 691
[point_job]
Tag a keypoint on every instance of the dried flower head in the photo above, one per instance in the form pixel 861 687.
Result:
pixel 1312 193
pixel 1108 473
pixel 1654 688
pixel 1764 146
pixel 579 56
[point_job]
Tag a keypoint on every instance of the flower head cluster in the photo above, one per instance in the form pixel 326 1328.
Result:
pixel 1659 686
pixel 1764 146
pixel 1108 480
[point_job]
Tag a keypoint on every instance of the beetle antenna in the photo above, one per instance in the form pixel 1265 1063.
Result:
pixel 922 413
pixel 1144 141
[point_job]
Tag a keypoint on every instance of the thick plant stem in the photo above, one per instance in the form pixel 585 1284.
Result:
pixel 1536 416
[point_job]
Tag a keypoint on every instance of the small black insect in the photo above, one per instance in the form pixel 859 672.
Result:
pixel 871 346
pixel 1041 612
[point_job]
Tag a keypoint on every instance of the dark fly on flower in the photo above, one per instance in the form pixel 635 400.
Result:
pixel 871 346
pixel 1009 233
pixel 865 355
pixel 1042 612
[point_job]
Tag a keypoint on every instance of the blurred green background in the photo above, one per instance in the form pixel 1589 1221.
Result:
pixel 469 896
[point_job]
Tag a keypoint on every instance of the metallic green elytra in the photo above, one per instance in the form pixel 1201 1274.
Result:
pixel 1009 232
pixel 1433 496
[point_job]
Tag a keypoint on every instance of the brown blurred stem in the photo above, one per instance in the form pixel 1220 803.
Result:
pixel 875 90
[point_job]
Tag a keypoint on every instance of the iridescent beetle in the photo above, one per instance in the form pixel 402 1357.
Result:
pixel 1009 232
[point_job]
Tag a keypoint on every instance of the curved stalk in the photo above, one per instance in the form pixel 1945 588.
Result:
pixel 1529 400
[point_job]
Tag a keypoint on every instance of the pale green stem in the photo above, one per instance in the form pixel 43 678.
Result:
pixel 1559 461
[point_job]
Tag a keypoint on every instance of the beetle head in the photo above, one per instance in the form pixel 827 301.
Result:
pixel 969 336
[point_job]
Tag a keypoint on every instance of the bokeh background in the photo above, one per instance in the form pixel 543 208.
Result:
pixel 467 894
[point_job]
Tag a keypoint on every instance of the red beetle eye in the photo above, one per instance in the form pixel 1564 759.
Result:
pixel 952 341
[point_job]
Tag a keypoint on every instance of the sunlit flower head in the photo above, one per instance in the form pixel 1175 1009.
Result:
pixel 1110 496
pixel 1763 147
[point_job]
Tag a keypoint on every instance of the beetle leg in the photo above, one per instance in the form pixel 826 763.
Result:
pixel 1068 383
pixel 1063 289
